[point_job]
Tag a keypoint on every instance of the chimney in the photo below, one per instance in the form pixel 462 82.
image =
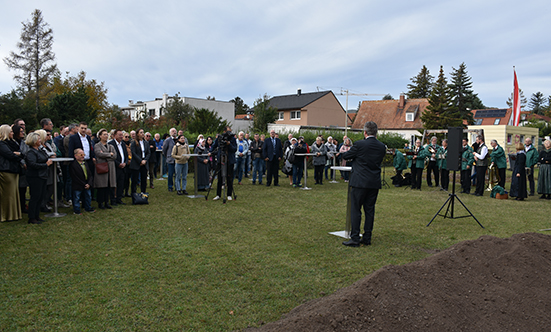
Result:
pixel 299 92
pixel 402 102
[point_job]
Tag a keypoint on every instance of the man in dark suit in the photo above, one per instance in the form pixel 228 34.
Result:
pixel 138 164
pixel 272 155
pixel 82 141
pixel 365 182
pixel 121 164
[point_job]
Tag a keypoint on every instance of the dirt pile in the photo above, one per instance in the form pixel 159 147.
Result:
pixel 488 284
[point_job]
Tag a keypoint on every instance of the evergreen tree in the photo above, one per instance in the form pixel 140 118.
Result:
pixel 34 63
pixel 463 97
pixel 240 106
pixel 537 103
pixel 263 114
pixel 440 113
pixel 178 111
pixel 421 85
pixel 388 96
pixel 206 121
pixel 523 100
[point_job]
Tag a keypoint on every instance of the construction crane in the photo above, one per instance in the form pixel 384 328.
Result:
pixel 348 93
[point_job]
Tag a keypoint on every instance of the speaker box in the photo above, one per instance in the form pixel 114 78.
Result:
pixel 455 148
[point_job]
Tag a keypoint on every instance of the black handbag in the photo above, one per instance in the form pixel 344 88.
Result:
pixel 140 198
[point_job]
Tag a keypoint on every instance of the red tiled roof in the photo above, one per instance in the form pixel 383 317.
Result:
pixel 538 117
pixel 388 115
pixel 244 116
pixel 491 120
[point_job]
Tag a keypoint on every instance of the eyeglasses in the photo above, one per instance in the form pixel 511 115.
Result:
pixel 126 136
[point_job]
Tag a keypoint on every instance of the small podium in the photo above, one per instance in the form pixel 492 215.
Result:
pixel 56 214
pixel 346 233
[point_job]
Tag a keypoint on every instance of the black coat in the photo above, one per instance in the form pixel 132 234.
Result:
pixel 269 149
pixel 9 161
pixel 36 163
pixel 152 150
pixel 136 149
pixel 366 156
pixel 75 143
pixel 77 176
pixel 118 161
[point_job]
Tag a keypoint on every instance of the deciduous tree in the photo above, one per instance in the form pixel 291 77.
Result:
pixel 263 114
pixel 206 121
pixel 178 111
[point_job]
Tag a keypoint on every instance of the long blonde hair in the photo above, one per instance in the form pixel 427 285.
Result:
pixel 5 131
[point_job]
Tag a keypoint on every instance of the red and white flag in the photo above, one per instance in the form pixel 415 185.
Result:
pixel 516 102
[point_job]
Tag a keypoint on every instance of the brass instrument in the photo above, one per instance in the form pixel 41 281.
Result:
pixel 493 176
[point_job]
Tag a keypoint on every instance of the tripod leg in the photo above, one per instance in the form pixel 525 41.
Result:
pixel 447 201
pixel 472 215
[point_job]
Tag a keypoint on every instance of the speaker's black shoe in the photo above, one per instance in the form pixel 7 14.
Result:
pixel 365 241
pixel 351 243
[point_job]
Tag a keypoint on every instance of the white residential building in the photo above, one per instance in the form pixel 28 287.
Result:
pixel 136 110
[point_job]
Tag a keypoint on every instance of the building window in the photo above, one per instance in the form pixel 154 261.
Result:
pixel 509 139
pixel 533 139
pixel 295 115
pixel 496 122
pixel 281 116
pixel 521 139
pixel 152 112
pixel 409 116
pixel 477 122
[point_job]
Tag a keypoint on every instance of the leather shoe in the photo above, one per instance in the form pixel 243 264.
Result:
pixel 365 242
pixel 351 243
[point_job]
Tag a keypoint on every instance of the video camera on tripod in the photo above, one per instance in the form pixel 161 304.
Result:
pixel 225 138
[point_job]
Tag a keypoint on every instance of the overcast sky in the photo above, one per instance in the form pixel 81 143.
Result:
pixel 142 49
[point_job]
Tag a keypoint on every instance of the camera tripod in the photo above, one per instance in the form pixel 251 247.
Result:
pixel 221 172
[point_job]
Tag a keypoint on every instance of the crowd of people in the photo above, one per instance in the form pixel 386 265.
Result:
pixel 475 162
pixel 111 165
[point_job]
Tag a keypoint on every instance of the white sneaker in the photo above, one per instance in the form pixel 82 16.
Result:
pixel 229 198
pixel 216 198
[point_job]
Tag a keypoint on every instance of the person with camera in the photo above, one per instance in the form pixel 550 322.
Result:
pixel 298 163
pixel 225 146
pixel 272 155
pixel 258 161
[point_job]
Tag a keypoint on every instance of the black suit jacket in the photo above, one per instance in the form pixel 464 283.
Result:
pixel 75 143
pixel 118 161
pixel 136 150
pixel 77 176
pixel 269 149
pixel 366 156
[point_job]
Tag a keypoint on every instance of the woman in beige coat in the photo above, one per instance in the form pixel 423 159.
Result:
pixel 105 153
pixel 179 152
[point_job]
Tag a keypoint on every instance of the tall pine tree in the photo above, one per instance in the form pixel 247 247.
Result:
pixel 463 97
pixel 34 62
pixel 441 113
pixel 537 103
pixel 421 85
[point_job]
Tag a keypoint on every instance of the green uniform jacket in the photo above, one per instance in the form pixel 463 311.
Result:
pixel 467 158
pixel 420 161
pixel 399 161
pixel 441 156
pixel 532 157
pixel 498 157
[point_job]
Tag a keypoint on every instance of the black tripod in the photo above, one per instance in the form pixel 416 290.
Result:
pixel 450 202
pixel 221 173
pixel 383 182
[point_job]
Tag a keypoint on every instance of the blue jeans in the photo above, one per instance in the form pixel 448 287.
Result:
pixel 86 200
pixel 170 168
pixel 181 176
pixel 247 164
pixel 258 168
pixel 240 166
pixel 298 170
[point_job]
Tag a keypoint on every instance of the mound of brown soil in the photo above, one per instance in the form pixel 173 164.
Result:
pixel 488 284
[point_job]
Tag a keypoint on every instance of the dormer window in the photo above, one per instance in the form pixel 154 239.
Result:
pixel 409 116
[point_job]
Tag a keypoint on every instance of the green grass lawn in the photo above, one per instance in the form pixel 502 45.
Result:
pixel 182 264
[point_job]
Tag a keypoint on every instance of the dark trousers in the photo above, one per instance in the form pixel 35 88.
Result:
pixel 37 188
pixel 432 168
pixel 103 195
pixel 119 190
pixel 501 173
pixel 466 180
pixel 480 179
pixel 531 181
pixel 152 172
pixel 229 181
pixel 445 178
pixel 142 174
pixel 362 198
pixel 416 175
pixel 127 176
pixel 23 198
pixel 318 173
pixel 272 171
